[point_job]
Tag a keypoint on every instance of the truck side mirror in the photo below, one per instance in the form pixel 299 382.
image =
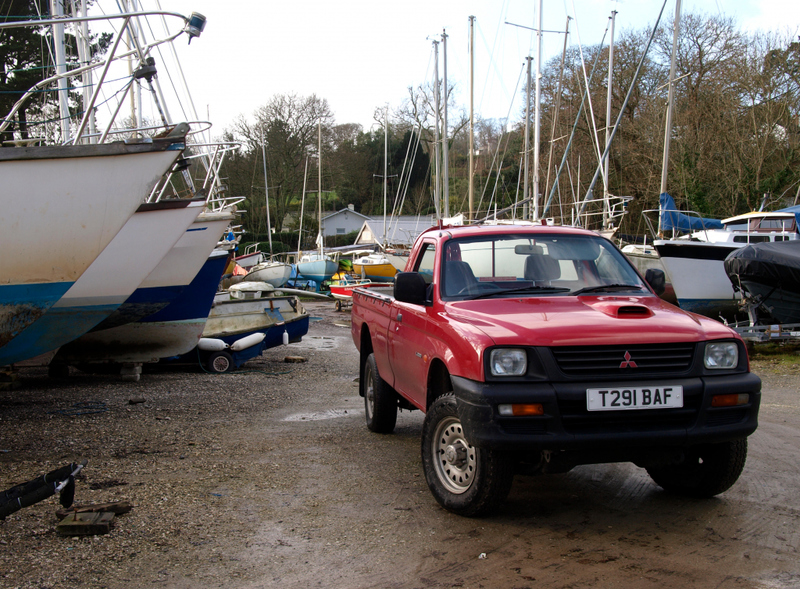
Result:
pixel 656 279
pixel 410 287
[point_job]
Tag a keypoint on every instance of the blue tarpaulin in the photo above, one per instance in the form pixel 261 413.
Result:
pixel 672 218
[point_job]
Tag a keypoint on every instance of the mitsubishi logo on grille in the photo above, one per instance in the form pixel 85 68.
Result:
pixel 627 363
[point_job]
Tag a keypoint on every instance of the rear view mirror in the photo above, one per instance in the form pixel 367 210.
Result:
pixel 410 287
pixel 656 279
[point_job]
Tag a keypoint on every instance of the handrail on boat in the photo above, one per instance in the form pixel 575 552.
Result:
pixel 654 231
pixel 141 51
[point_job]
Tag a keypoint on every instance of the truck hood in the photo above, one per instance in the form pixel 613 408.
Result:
pixel 582 320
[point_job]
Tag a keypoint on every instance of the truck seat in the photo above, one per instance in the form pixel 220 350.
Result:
pixel 457 277
pixel 541 269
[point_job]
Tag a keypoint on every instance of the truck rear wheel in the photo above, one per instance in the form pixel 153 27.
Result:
pixel 707 470
pixel 464 479
pixel 380 400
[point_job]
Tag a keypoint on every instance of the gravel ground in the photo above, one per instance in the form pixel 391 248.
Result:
pixel 267 477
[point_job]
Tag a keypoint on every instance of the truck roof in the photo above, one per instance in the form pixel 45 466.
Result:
pixel 506 229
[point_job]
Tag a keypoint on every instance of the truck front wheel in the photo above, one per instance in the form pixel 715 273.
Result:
pixel 706 471
pixel 464 479
pixel 380 400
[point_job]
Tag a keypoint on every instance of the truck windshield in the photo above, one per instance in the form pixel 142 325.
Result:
pixel 549 264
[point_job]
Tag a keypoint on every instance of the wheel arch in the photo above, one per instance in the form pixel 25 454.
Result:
pixel 366 349
pixel 438 382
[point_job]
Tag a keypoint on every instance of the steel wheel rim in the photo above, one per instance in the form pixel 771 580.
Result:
pixel 454 458
pixel 369 393
pixel 221 364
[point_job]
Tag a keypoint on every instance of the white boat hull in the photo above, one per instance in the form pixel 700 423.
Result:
pixel 61 207
pixel 109 281
pixel 274 273
pixel 698 277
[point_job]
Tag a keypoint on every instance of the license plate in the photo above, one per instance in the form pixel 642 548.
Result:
pixel 639 397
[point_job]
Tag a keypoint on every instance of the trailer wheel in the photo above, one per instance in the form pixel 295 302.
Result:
pixel 706 471
pixel 380 400
pixel 464 479
pixel 220 362
pixel 338 305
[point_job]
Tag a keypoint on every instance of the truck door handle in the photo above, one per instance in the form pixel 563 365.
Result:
pixel 400 317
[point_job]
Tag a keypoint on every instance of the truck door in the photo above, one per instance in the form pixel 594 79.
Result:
pixel 408 339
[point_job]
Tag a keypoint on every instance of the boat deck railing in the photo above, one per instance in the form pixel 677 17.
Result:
pixel 656 234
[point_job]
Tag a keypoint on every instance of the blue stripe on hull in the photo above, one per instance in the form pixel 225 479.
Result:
pixel 22 304
pixel 58 326
pixel 142 303
pixel 196 299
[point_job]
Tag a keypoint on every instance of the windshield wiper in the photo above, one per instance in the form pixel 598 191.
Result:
pixel 530 288
pixel 604 287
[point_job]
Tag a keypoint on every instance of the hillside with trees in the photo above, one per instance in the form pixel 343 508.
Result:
pixel 734 140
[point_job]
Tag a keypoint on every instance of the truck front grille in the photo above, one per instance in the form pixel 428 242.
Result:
pixel 588 362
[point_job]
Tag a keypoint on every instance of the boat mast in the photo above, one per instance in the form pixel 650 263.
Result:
pixel 436 191
pixel 606 206
pixel 320 241
pixel 84 54
pixel 57 10
pixel 471 116
pixel 266 192
pixel 302 207
pixel 670 99
pixel 526 148
pixel 445 150
pixel 385 168
pixel 538 115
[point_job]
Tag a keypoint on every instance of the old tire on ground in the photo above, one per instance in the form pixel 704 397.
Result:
pixel 464 479
pixel 220 362
pixel 707 470
pixel 380 400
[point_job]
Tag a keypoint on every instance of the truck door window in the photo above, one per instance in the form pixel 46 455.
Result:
pixel 426 259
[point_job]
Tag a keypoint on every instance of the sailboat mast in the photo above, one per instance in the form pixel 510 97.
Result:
pixel 302 207
pixel 436 191
pixel 526 148
pixel 445 149
pixel 385 168
pixel 319 187
pixel 471 116
pixel 670 100
pixel 538 115
pixel 266 192
pixel 57 10
pixel 606 207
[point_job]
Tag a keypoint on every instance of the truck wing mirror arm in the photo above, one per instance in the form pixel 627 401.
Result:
pixel 410 287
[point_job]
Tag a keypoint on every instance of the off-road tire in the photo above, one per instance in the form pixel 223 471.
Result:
pixel 380 400
pixel 707 470
pixel 465 480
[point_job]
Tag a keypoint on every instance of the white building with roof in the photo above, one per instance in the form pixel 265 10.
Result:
pixel 399 230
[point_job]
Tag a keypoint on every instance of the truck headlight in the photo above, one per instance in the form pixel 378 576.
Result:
pixel 721 355
pixel 508 362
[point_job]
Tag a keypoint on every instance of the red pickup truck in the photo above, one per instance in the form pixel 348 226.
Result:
pixel 534 349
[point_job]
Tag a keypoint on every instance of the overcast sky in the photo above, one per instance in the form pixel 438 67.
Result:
pixel 362 55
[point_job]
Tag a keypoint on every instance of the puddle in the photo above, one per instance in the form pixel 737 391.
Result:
pixel 321 415
pixel 318 342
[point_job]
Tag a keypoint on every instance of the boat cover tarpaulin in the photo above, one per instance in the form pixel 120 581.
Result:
pixel 672 218
pixel 769 263
pixel 795 209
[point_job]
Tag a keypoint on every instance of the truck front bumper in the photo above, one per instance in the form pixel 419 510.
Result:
pixel 567 424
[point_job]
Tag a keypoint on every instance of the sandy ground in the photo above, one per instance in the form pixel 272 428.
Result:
pixel 268 477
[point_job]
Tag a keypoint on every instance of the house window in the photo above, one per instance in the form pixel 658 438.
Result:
pixel 340 231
